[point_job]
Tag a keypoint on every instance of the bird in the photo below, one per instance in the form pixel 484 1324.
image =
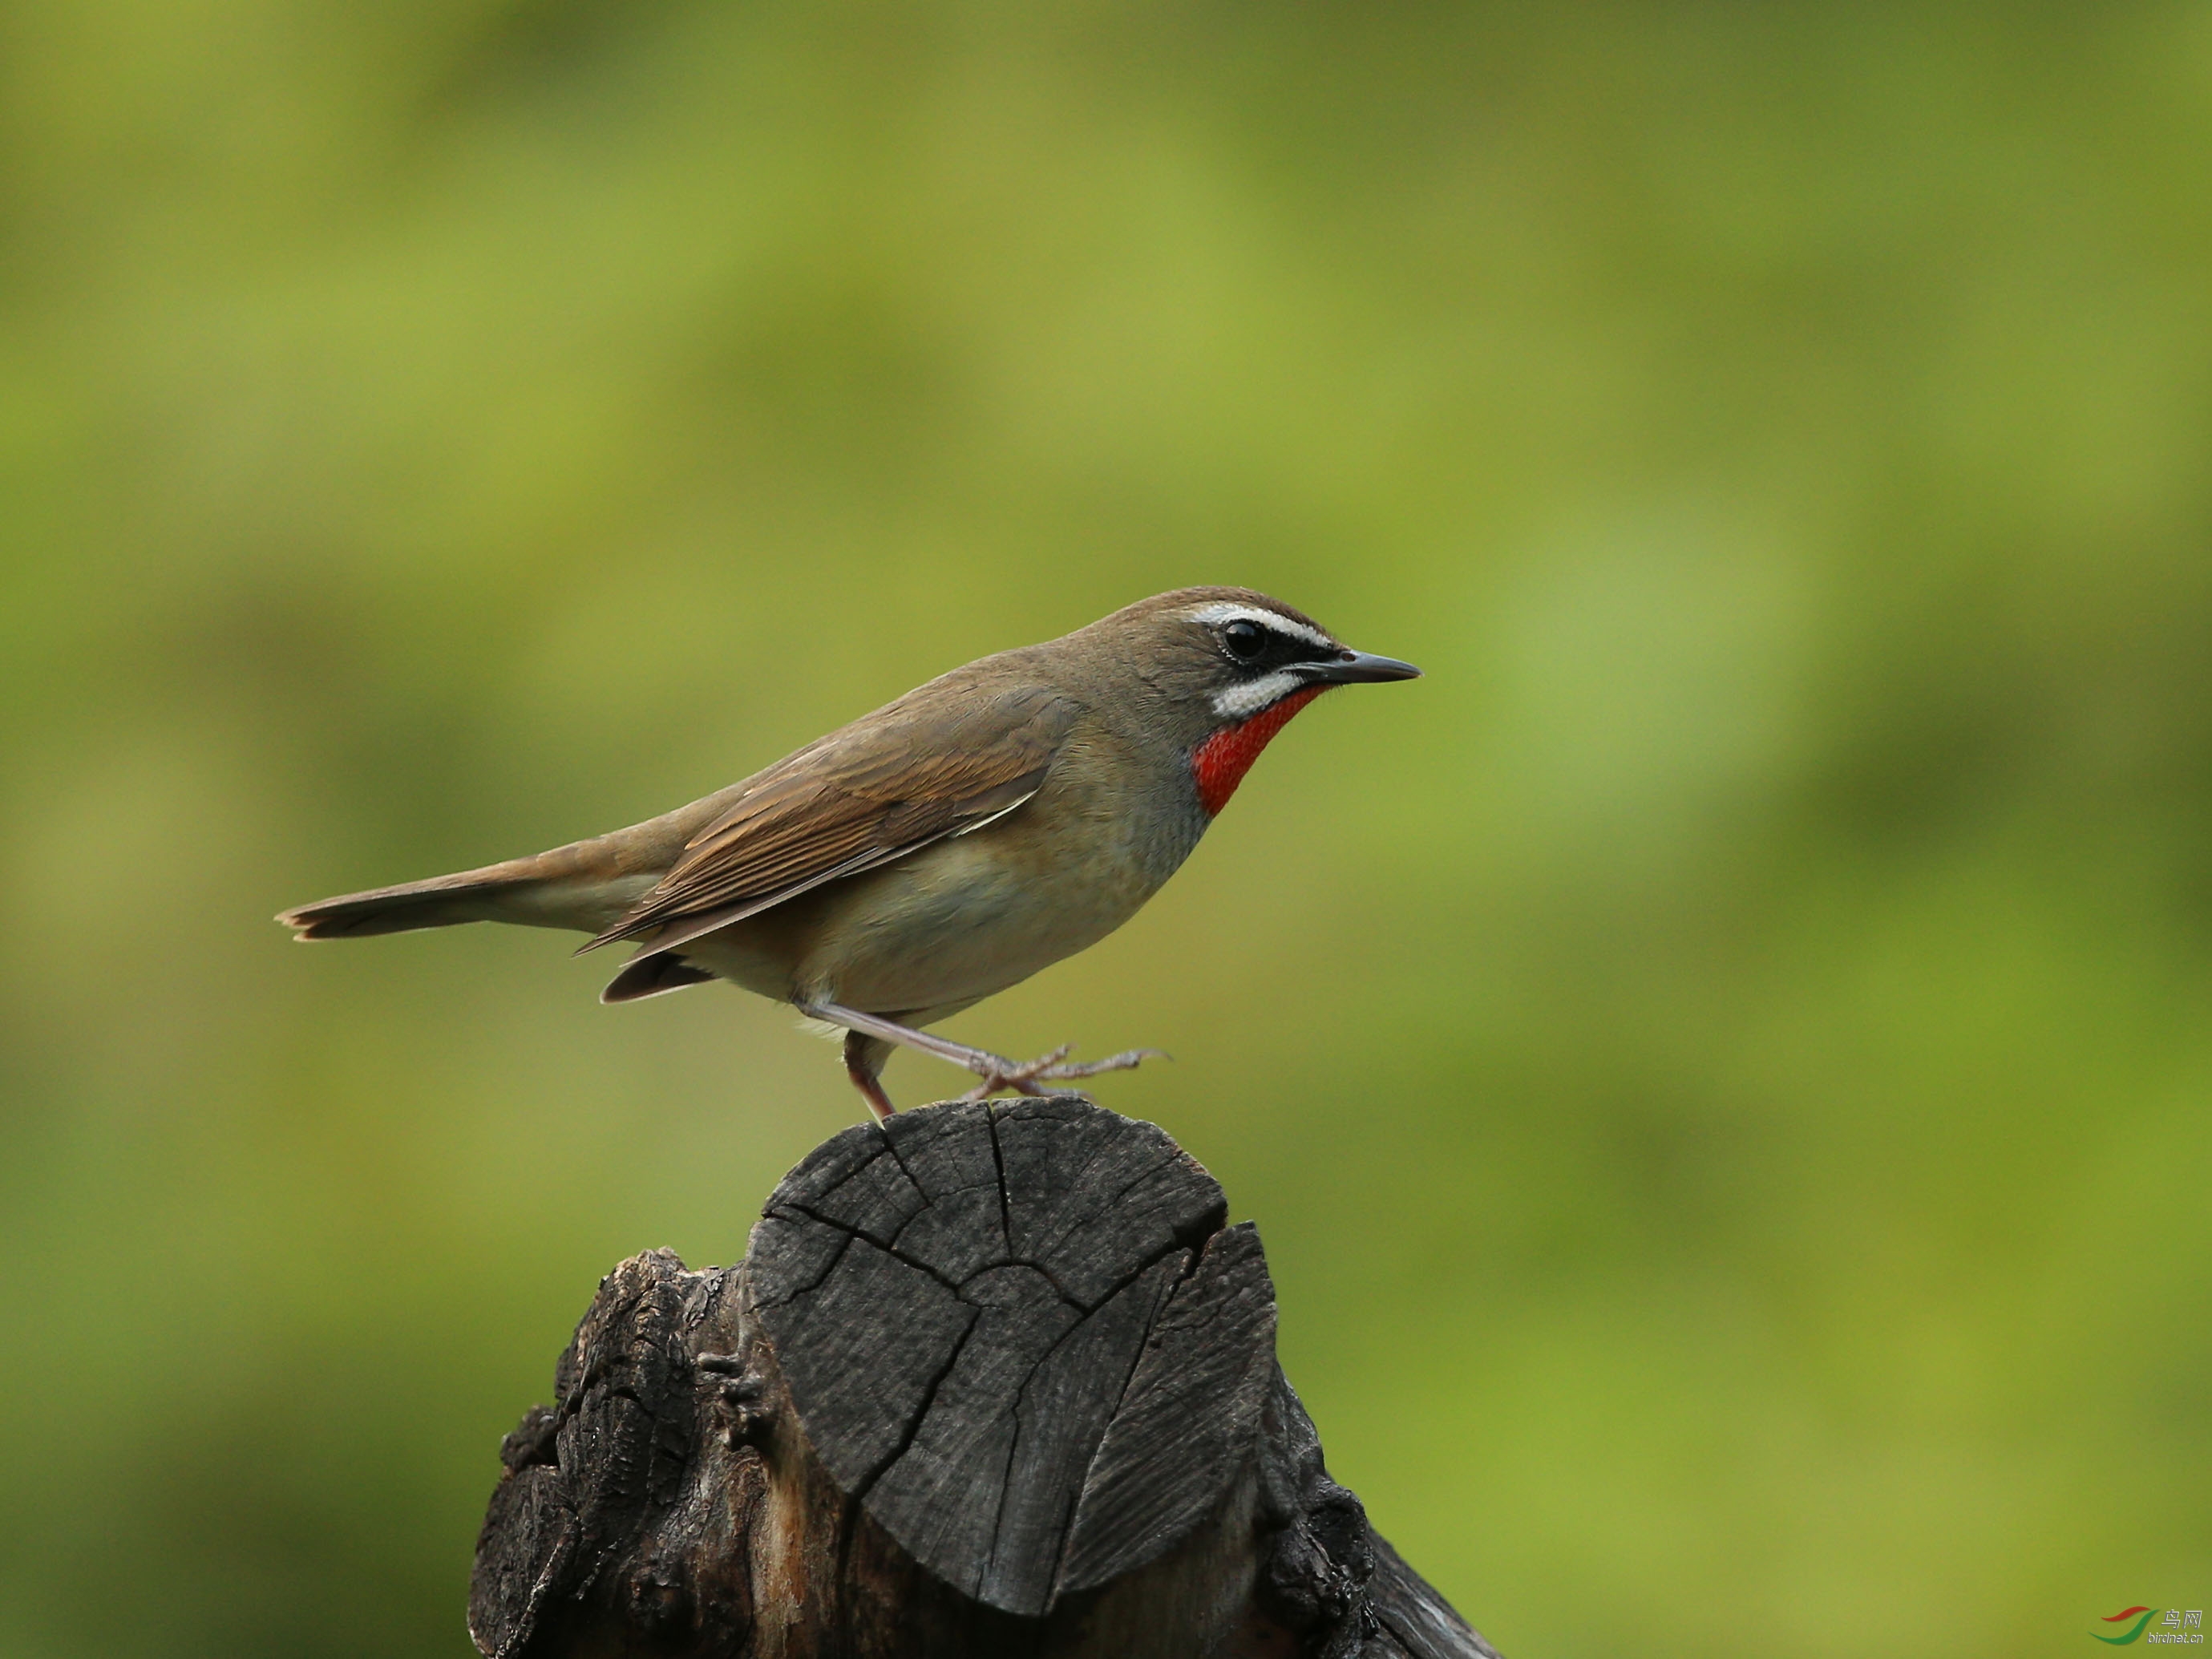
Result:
pixel 932 854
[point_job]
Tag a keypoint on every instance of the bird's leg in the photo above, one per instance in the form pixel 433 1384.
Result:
pixel 863 1063
pixel 996 1070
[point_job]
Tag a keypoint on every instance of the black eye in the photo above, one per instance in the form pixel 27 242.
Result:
pixel 1245 641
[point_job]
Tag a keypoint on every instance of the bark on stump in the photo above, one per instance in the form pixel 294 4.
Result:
pixel 992 1379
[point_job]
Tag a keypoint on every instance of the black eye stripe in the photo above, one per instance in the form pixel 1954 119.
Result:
pixel 1254 645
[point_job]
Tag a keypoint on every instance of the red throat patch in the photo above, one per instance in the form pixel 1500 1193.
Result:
pixel 1220 763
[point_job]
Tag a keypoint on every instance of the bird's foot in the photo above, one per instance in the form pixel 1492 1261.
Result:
pixel 1023 1076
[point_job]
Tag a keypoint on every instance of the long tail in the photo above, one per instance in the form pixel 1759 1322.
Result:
pixel 583 885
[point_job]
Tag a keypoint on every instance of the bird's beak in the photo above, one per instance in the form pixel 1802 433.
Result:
pixel 1361 668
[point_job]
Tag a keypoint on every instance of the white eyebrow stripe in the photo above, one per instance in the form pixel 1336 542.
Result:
pixel 1227 612
pixel 1240 701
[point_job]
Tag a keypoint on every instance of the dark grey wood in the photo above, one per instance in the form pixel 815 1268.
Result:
pixel 998 1273
pixel 992 1379
pixel 1184 1426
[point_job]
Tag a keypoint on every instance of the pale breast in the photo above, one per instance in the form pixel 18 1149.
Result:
pixel 971 915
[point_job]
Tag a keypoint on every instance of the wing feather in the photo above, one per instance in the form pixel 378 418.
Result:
pixel 878 790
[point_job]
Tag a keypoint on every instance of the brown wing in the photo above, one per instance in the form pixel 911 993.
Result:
pixel 922 769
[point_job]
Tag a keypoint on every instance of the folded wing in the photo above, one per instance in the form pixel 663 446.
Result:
pixel 858 799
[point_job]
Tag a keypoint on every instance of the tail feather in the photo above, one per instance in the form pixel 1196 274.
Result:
pixel 587 885
pixel 441 901
pixel 650 974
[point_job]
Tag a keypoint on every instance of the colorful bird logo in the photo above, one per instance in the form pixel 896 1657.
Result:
pixel 2142 1617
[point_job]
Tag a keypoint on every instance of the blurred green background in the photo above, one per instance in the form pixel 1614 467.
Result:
pixel 1720 1065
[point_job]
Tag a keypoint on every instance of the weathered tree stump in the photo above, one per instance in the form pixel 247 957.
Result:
pixel 992 1380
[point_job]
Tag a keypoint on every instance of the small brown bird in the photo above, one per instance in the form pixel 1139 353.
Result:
pixel 940 849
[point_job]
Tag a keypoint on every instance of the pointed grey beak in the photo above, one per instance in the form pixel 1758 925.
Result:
pixel 1361 668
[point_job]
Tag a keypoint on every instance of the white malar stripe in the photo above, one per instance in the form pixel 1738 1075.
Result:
pixel 1242 701
pixel 1226 611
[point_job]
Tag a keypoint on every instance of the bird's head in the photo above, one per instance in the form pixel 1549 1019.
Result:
pixel 1224 668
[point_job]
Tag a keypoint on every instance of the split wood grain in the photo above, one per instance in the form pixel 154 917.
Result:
pixel 992 1379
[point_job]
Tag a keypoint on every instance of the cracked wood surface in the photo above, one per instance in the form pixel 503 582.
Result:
pixel 992 1379
pixel 994 1277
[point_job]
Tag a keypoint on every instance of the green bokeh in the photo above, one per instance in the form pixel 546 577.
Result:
pixel 1720 1065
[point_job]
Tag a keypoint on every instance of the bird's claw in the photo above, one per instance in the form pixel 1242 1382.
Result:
pixel 1023 1076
